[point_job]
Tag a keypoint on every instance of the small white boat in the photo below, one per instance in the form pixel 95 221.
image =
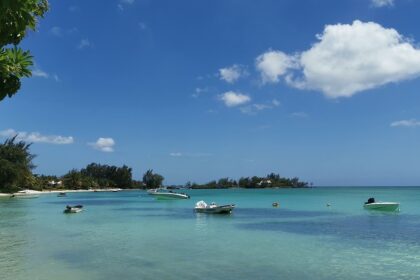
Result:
pixel 371 204
pixel 26 194
pixel 73 209
pixel 162 193
pixel 213 208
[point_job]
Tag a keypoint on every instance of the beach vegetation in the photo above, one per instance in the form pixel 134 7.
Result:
pixel 272 180
pixel 152 180
pixel 15 165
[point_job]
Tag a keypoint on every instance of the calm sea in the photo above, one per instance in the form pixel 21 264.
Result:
pixel 129 235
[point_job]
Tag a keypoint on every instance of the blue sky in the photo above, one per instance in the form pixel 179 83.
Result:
pixel 198 90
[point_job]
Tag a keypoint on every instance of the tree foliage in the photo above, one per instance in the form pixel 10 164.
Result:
pixel 16 18
pixel 15 165
pixel 152 180
pixel 272 180
pixel 96 175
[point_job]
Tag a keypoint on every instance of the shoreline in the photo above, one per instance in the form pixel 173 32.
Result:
pixel 67 191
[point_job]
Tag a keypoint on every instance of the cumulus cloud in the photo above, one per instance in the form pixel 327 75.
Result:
pixel 104 144
pixel 232 99
pixel 406 123
pixel 382 3
pixel 36 137
pixel 273 64
pixel 347 59
pixel 232 74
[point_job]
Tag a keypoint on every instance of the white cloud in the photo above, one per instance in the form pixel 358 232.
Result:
pixel 104 144
pixel 254 108
pixel 121 4
pixel 299 115
pixel 178 154
pixel 232 99
pixel 39 73
pixel 382 3
pixel 273 64
pixel 56 31
pixel 84 43
pixel 350 58
pixel 406 123
pixel 232 74
pixel 36 137
pixel 276 102
pixel 199 91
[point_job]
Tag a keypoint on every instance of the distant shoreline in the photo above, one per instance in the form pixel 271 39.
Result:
pixel 68 191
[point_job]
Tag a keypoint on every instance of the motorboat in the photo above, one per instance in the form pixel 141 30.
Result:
pixel 162 193
pixel 62 194
pixel 26 194
pixel 73 209
pixel 371 204
pixel 213 208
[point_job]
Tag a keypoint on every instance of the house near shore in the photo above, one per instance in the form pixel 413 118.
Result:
pixel 55 184
pixel 264 183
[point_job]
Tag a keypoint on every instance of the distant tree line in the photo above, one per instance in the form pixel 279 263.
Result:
pixel 272 180
pixel 16 173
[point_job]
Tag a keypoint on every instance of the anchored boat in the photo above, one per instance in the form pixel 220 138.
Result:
pixel 162 193
pixel 371 204
pixel 73 209
pixel 26 194
pixel 213 208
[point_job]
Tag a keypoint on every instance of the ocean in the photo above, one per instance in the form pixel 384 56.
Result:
pixel 130 235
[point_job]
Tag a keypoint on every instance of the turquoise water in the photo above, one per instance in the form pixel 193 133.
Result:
pixel 129 235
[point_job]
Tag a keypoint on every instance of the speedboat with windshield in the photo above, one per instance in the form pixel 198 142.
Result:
pixel 26 194
pixel 162 193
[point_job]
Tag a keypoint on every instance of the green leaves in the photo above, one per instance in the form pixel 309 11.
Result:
pixel 152 180
pixel 16 17
pixel 15 164
pixel 14 64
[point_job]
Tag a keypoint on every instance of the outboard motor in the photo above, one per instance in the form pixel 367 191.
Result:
pixel 370 200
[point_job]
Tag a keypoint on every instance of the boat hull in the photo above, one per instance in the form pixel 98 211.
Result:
pixel 169 196
pixel 223 209
pixel 383 206
pixel 71 211
pixel 25 196
pixel 163 194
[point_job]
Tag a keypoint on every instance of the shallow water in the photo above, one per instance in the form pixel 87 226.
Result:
pixel 132 236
